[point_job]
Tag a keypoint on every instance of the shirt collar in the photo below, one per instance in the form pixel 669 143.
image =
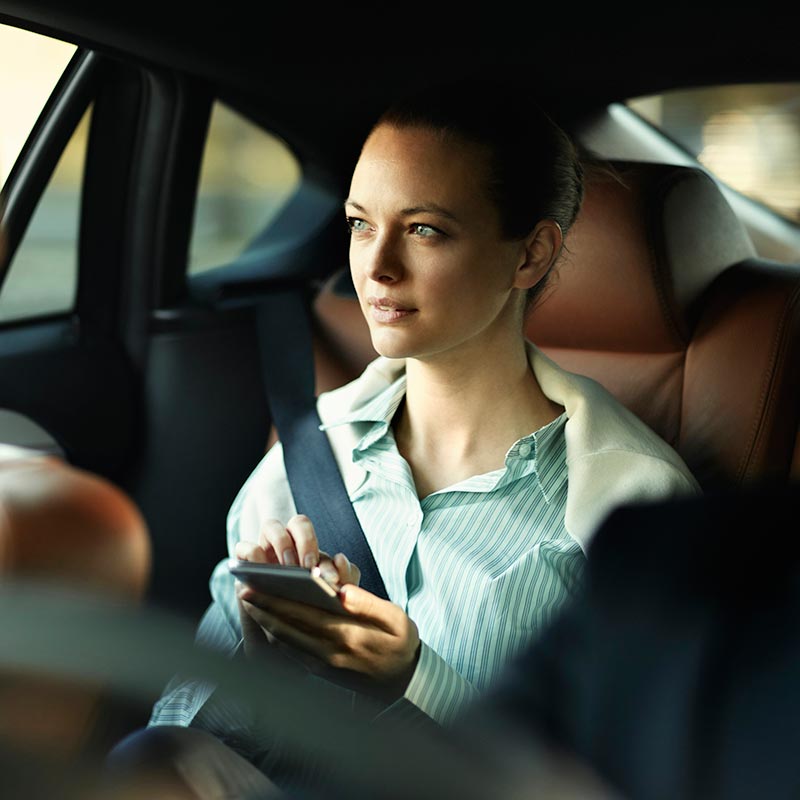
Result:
pixel 379 411
pixel 541 453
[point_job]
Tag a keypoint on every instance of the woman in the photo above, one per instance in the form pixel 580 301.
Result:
pixel 477 467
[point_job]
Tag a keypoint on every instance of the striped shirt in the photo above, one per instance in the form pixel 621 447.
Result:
pixel 481 567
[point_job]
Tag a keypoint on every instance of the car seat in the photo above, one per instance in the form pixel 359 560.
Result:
pixel 661 298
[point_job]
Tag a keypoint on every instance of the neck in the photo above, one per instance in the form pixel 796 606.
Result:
pixel 459 421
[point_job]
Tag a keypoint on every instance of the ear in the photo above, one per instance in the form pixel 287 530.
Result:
pixel 542 247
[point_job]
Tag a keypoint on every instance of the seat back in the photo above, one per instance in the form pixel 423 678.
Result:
pixel 660 297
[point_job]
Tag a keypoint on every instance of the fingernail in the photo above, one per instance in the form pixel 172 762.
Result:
pixel 330 575
pixel 290 558
pixel 310 561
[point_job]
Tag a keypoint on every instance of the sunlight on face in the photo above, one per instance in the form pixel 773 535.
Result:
pixel 431 269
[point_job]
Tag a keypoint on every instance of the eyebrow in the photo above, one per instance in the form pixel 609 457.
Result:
pixel 429 208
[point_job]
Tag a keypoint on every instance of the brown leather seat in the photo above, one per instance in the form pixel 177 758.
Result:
pixel 661 298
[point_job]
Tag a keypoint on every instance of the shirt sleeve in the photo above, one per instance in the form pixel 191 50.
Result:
pixel 435 689
pixel 442 693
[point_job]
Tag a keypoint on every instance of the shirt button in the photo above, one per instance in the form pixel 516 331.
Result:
pixel 524 450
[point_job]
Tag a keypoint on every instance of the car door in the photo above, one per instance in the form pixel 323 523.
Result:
pixel 143 363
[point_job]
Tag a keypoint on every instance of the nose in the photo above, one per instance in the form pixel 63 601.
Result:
pixel 382 260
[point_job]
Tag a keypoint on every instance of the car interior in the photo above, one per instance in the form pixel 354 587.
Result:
pixel 661 298
pixel 678 294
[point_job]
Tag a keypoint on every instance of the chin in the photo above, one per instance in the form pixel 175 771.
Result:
pixel 389 346
pixel 391 352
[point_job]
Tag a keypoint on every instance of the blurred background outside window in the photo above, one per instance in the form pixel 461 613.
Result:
pixel 30 67
pixel 43 275
pixel 746 135
pixel 247 177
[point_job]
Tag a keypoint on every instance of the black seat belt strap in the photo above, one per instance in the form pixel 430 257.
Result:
pixel 287 361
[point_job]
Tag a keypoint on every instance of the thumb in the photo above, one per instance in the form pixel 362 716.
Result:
pixel 359 601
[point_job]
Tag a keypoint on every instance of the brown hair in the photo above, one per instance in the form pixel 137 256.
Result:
pixel 535 169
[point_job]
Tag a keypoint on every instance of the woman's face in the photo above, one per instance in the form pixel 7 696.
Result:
pixel 433 274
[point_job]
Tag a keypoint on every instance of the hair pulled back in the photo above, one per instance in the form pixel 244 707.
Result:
pixel 535 172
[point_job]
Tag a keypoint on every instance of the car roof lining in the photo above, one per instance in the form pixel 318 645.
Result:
pixel 604 62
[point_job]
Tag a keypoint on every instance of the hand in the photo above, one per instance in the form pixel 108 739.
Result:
pixel 375 650
pixel 290 544
pixel 294 544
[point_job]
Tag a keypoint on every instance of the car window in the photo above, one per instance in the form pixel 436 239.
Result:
pixel 31 66
pixel 247 177
pixel 43 274
pixel 748 136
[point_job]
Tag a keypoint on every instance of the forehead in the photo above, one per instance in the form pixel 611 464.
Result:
pixel 414 166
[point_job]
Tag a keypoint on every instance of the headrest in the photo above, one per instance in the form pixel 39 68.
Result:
pixel 648 241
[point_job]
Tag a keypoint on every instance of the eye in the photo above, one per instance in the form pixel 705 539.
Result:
pixel 356 225
pixel 425 231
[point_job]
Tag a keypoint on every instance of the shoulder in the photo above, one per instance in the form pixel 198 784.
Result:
pixel 613 457
pixel 599 425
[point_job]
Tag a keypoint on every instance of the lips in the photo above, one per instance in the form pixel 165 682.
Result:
pixel 387 310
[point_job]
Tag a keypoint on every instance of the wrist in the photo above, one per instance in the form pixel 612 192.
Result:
pixel 397 685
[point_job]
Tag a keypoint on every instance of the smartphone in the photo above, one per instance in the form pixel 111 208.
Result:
pixel 291 583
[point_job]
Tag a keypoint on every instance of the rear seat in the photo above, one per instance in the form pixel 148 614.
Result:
pixel 660 297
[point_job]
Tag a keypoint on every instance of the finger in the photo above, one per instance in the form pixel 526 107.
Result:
pixel 282 630
pixel 275 537
pixel 247 622
pixel 259 643
pixel 328 570
pixel 348 573
pixel 250 551
pixel 305 540
pixel 300 615
pixel 381 613
pixel 255 638
pixel 244 592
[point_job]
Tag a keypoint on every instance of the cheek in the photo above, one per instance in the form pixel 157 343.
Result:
pixel 353 260
pixel 357 274
pixel 474 280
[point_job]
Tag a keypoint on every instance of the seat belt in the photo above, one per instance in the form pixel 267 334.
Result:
pixel 287 366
